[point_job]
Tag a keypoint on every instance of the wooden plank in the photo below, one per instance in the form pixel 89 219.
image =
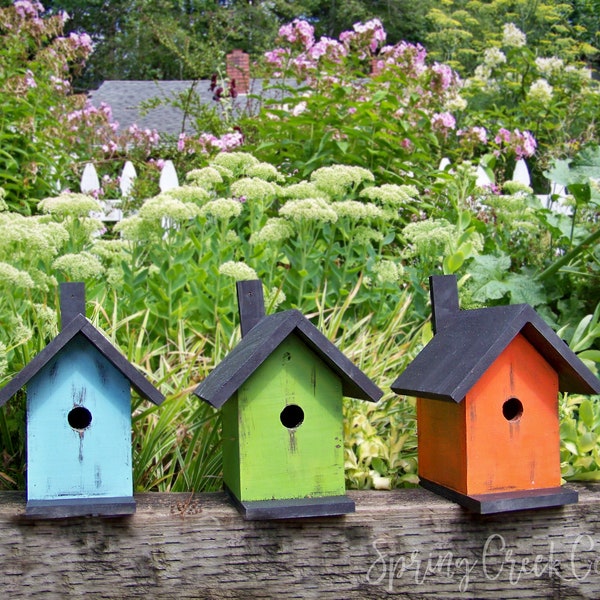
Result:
pixel 404 543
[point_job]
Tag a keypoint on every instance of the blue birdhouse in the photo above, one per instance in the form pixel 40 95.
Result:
pixel 79 419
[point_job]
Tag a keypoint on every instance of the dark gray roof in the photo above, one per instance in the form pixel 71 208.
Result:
pixel 125 98
pixel 81 326
pixel 259 343
pixel 467 342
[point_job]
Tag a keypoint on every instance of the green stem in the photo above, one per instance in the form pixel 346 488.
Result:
pixel 561 262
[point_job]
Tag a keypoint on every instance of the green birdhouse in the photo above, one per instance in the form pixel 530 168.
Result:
pixel 281 391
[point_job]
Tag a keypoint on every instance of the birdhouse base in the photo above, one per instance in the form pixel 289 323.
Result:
pixel 80 507
pixel 486 504
pixel 292 508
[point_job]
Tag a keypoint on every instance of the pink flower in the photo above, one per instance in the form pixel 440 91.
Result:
pixel 443 121
pixel 474 135
pixel 181 142
pixel 329 48
pixel 26 8
pixel 298 30
pixel 29 79
pixel 443 76
pixel 277 56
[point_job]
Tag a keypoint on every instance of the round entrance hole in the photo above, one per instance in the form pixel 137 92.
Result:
pixel 512 409
pixel 292 416
pixel 79 418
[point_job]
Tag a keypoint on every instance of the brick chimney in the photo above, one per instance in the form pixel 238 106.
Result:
pixel 238 69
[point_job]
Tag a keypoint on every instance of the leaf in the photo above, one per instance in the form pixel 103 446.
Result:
pixel 586 413
pixel 453 262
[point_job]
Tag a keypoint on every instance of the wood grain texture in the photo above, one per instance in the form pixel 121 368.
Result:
pixel 406 544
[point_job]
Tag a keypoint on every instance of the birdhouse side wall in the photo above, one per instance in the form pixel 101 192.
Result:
pixel 291 427
pixel 513 438
pixel 231 447
pixel 441 435
pixel 78 427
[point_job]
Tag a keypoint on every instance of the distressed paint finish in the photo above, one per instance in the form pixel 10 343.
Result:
pixel 63 462
pixel 442 447
pixel 275 461
pixel 519 454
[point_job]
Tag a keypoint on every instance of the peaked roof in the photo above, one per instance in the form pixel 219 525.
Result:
pixel 471 340
pixel 260 342
pixel 79 325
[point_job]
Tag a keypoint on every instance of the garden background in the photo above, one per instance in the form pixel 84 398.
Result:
pixel 355 178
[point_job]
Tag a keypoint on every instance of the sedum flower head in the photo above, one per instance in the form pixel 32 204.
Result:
pixel 188 193
pixel 240 271
pixel 3 205
pixel 274 230
pixel 308 209
pixel 540 91
pixel 391 195
pixel 387 271
pixel 3 360
pixel 365 236
pixel 512 36
pixel 46 319
pixel 356 211
pixel 12 277
pixel 222 208
pixel 110 250
pixel 430 237
pixel 304 189
pixel 37 237
pixel 137 229
pixel 337 180
pixel 264 171
pixel 273 298
pixel 236 162
pixel 253 188
pixel 79 267
pixel 165 206
pixel 69 205
pixel 516 187
pixel 208 177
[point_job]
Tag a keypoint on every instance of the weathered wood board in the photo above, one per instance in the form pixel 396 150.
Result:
pixel 405 544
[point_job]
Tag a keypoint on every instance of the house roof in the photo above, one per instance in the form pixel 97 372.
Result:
pixel 467 342
pixel 260 342
pixel 80 326
pixel 125 99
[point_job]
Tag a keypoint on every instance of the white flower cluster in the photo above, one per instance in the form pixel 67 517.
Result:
pixel 208 177
pixel 387 271
pixel 69 205
pixel 165 206
pixel 188 193
pixel 308 209
pixel 37 237
pixel 493 57
pixel 357 211
pixel 540 91
pixel 391 194
pixel 236 162
pixel 12 277
pixel 253 188
pixel 222 208
pixel 304 189
pixel 275 230
pixel 549 67
pixel 240 271
pixel 79 267
pixel 264 171
pixel 337 180
pixel 512 36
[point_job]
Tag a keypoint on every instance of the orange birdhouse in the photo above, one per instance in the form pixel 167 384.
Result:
pixel 487 404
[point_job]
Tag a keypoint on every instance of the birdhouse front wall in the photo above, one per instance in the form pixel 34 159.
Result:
pixel 503 436
pixel 78 427
pixel 283 434
pixel 512 434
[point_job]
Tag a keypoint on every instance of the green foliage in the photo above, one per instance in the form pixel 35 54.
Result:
pixel 37 61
